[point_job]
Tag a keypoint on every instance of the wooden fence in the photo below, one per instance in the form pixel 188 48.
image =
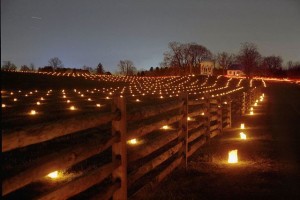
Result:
pixel 133 168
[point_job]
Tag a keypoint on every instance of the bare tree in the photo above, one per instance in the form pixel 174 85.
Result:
pixel 85 67
pixel 127 67
pixel 272 64
pixel 24 68
pixel 224 60
pixel 249 58
pixel 55 63
pixel 32 67
pixel 185 57
pixel 8 66
pixel 100 69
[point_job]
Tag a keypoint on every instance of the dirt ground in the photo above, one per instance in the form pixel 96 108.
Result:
pixel 269 160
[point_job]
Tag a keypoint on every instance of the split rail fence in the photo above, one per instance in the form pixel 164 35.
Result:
pixel 133 169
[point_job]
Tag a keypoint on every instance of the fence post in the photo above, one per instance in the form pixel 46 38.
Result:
pixel 119 150
pixel 220 113
pixel 229 109
pixel 244 103
pixel 183 127
pixel 207 124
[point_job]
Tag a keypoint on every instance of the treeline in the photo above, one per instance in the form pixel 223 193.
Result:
pixel 185 58
pixel 55 65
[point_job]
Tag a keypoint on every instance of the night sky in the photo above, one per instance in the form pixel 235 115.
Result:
pixel 88 32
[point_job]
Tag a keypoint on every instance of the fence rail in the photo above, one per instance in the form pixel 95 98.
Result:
pixel 133 169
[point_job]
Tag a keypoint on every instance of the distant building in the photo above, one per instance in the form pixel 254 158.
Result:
pixel 206 67
pixel 235 70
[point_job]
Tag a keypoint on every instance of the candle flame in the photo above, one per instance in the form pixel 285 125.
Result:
pixel 232 156
pixel 243 136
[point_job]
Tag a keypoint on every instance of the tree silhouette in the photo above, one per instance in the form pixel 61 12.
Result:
pixel 24 68
pixel 55 63
pixel 127 67
pixel 8 66
pixel 224 60
pixel 100 69
pixel 249 58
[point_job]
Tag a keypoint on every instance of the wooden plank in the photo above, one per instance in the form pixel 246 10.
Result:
pixel 152 146
pixel 214 133
pixel 214 127
pixel 48 131
pixel 107 193
pixel 213 109
pixel 144 129
pixel 214 117
pixel 157 179
pixel 61 159
pixel 195 102
pixel 196 112
pixel 154 110
pixel 196 124
pixel 147 167
pixel 81 183
pixel 199 132
pixel 196 146
pixel 213 101
pixel 119 150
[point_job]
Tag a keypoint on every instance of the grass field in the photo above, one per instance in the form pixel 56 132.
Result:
pixel 269 166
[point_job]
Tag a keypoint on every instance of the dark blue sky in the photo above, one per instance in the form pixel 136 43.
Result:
pixel 86 32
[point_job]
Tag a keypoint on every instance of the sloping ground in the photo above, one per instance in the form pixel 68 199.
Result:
pixel 269 160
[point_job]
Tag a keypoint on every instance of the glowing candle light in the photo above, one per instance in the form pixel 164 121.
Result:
pixel 15 99
pixel 68 101
pixel 132 141
pixel 3 105
pixel 243 136
pixel 251 112
pixel 232 156
pixel 242 126
pixel 202 113
pixel 53 175
pixel 98 104
pixel 165 127
pixel 32 112
pixel 72 108
pixel 38 103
